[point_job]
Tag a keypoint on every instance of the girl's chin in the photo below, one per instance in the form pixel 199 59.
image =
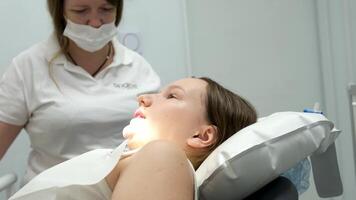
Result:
pixel 131 144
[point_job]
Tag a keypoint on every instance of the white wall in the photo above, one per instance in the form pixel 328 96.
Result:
pixel 160 23
pixel 265 50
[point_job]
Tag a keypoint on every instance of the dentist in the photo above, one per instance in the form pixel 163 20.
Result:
pixel 75 91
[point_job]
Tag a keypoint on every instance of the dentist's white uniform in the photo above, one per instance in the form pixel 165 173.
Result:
pixel 66 111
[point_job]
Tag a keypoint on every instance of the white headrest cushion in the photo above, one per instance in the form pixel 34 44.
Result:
pixel 260 152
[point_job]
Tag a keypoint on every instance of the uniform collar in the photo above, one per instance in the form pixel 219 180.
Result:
pixel 123 56
pixel 52 53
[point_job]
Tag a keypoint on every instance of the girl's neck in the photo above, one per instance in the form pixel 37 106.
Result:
pixel 196 157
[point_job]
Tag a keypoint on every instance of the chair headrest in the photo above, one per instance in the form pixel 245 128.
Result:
pixel 257 154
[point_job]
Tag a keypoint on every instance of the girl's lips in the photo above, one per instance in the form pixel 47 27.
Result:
pixel 139 114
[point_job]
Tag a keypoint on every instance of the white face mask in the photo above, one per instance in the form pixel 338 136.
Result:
pixel 89 38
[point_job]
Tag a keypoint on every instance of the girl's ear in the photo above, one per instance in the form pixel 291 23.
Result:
pixel 205 137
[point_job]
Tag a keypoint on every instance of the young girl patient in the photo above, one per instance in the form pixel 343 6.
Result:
pixel 171 134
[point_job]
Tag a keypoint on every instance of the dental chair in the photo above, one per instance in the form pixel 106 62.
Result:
pixel 279 189
pixel 249 164
pixel 7 184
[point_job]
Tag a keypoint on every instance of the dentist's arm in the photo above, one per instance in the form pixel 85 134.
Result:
pixel 8 134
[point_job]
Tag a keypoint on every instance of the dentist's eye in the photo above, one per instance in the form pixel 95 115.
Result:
pixel 79 11
pixel 108 9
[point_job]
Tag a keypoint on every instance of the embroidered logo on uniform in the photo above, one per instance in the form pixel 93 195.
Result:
pixel 125 85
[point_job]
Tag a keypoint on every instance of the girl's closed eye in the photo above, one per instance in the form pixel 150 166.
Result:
pixel 171 96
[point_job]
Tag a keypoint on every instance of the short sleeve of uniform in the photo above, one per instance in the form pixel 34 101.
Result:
pixel 13 109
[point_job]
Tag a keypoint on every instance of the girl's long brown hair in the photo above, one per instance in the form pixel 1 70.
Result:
pixel 227 111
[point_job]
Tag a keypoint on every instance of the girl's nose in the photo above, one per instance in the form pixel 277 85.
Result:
pixel 144 100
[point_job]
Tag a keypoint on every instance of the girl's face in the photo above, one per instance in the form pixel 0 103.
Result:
pixel 89 12
pixel 177 113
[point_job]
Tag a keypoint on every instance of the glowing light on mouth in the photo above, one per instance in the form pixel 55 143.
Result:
pixel 138 132
pixel 138 125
